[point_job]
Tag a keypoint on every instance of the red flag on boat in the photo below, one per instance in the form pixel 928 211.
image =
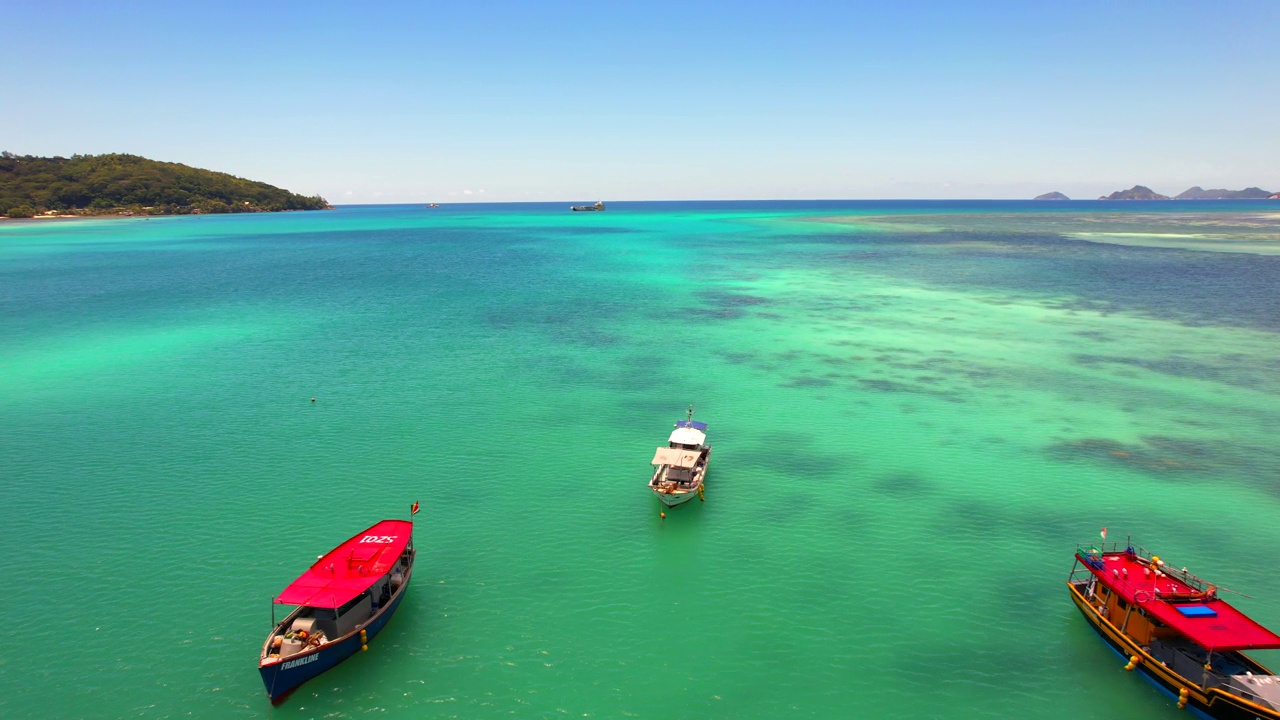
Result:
pixel 1104 530
pixel 414 511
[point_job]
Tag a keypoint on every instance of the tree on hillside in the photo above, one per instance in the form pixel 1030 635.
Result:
pixel 117 182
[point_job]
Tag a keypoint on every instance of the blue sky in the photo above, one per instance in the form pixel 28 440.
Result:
pixel 553 101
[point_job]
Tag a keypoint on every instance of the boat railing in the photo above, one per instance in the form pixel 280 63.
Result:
pixel 1092 553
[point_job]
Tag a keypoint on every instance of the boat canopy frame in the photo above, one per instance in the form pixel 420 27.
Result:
pixel 676 458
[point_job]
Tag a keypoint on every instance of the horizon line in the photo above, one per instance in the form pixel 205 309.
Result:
pixel 834 199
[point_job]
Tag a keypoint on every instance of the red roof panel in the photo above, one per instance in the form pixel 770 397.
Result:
pixel 351 568
pixel 1226 630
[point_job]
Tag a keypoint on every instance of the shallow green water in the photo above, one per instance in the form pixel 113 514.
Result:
pixel 917 411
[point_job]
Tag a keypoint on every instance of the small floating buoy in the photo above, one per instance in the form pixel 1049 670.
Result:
pixel 662 514
pixel 313 399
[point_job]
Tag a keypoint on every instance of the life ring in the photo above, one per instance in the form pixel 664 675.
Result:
pixel 1141 596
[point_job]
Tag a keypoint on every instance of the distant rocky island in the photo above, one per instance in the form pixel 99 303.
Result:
pixel 1198 193
pixel 1137 192
pixel 1141 192
pixel 132 185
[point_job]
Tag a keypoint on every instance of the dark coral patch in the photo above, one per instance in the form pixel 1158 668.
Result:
pixel 1160 458
pixel 806 381
pixel 723 314
pixel 722 299
pixel 893 386
pixel 793 456
pixel 902 485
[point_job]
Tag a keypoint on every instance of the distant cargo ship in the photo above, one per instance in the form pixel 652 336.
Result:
pixel 343 600
pixel 599 206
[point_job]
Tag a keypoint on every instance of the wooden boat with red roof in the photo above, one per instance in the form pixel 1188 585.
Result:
pixel 343 601
pixel 1175 629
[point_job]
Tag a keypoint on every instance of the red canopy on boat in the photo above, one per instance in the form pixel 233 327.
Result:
pixel 1218 627
pixel 351 568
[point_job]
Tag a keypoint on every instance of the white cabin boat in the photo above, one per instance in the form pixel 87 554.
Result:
pixel 681 467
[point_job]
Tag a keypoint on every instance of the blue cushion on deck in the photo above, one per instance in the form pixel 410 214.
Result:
pixel 1197 611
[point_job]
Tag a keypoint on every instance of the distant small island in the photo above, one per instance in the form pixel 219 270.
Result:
pixel 131 185
pixel 1052 196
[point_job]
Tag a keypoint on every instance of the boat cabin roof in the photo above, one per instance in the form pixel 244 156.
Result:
pixel 676 457
pixel 1204 619
pixel 687 436
pixel 351 568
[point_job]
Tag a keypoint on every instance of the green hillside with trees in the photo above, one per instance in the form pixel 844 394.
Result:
pixel 128 184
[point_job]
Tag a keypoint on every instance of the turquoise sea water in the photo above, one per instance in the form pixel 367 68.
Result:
pixel 917 410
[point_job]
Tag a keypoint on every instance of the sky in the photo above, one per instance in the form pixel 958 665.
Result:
pixel 569 101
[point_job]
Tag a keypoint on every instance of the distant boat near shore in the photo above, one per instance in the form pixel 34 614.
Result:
pixel 598 207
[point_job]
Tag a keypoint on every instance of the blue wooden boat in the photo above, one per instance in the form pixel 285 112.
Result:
pixel 343 601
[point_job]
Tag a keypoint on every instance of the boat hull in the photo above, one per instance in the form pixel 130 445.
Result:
pixel 1213 703
pixel 282 678
pixel 674 499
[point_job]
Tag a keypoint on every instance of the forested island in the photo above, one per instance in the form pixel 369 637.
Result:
pixel 131 185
